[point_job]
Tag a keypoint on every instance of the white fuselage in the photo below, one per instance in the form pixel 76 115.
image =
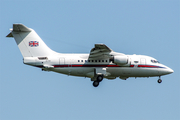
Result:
pixel 80 65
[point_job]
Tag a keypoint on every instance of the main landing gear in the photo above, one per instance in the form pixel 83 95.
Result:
pixel 99 79
pixel 159 80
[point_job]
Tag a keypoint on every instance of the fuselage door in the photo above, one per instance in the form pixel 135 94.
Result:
pixel 143 61
pixel 61 61
pixel 70 62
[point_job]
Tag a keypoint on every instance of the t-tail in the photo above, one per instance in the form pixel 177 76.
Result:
pixel 29 43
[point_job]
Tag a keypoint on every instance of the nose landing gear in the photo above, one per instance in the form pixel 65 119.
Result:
pixel 159 80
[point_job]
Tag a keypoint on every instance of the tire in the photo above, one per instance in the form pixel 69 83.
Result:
pixel 95 83
pixel 99 78
pixel 159 81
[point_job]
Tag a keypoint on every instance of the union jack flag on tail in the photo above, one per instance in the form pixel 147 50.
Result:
pixel 33 43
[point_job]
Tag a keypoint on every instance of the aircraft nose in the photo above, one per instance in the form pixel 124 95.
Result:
pixel 165 70
pixel 169 71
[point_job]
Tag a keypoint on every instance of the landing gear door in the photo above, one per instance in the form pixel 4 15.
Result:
pixel 100 71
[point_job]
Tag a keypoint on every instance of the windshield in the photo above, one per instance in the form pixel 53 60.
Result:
pixel 155 61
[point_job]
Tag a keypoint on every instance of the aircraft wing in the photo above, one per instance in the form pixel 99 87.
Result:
pixel 100 50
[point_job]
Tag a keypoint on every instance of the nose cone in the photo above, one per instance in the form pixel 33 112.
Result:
pixel 164 70
pixel 169 71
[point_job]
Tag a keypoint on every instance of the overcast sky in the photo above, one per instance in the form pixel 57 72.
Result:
pixel 143 27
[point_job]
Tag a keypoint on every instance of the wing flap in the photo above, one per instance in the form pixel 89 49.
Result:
pixel 99 55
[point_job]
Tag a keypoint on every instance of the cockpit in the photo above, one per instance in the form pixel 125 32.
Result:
pixel 155 61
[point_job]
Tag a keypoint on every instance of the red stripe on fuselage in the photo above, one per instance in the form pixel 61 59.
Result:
pixel 83 65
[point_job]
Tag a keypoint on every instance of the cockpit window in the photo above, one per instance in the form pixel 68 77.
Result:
pixel 155 61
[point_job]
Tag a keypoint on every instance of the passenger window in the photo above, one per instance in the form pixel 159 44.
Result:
pixel 85 60
pixel 99 60
pixel 102 60
pixel 78 60
pixel 81 60
pixel 106 60
pixel 92 60
pixel 95 60
pixel 89 61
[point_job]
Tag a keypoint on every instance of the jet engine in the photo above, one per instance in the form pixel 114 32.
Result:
pixel 120 60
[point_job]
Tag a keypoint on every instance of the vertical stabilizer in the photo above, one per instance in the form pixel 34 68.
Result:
pixel 29 43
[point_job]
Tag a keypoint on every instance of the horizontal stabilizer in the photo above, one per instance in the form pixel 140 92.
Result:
pixel 20 28
pixel 9 35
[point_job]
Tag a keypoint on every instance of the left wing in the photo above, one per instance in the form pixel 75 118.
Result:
pixel 100 50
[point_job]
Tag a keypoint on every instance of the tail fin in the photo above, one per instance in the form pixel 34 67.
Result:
pixel 29 43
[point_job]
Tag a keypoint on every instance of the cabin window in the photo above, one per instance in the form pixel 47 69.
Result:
pixel 99 60
pixel 78 60
pixel 102 60
pixel 81 60
pixel 95 60
pixel 88 60
pixel 85 60
pixel 92 60
pixel 106 60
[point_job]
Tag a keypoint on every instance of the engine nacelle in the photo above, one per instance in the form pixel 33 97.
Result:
pixel 120 60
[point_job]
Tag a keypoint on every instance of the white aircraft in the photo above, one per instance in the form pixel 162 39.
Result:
pixel 102 62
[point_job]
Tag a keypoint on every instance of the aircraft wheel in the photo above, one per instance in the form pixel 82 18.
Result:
pixel 95 83
pixel 99 78
pixel 159 81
